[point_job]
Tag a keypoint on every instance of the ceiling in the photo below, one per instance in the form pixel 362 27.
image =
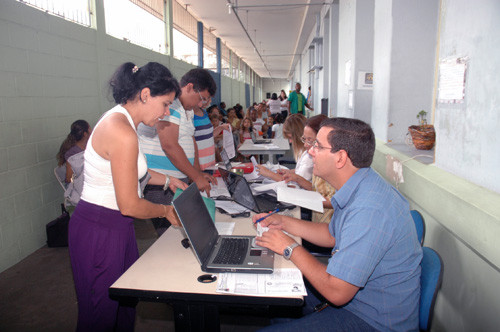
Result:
pixel 279 30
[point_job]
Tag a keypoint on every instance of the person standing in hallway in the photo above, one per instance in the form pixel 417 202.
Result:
pixel 170 146
pixel 298 101
pixel 101 235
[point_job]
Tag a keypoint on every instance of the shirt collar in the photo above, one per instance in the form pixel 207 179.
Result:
pixel 344 194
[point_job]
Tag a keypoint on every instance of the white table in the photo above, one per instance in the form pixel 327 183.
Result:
pixel 279 146
pixel 167 272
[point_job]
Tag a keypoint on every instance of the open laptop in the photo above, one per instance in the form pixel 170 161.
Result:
pixel 225 159
pixel 218 253
pixel 261 140
pixel 240 192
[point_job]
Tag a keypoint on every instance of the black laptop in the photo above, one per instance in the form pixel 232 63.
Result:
pixel 240 192
pixel 218 253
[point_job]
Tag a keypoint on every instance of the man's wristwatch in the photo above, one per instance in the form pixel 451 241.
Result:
pixel 287 253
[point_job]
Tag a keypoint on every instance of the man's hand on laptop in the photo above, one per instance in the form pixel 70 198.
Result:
pixel 274 239
pixel 203 182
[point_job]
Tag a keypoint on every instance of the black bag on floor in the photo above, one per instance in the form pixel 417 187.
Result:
pixel 57 230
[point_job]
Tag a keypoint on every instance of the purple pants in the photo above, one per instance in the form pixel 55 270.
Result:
pixel 102 247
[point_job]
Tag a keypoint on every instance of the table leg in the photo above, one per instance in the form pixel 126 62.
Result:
pixel 196 317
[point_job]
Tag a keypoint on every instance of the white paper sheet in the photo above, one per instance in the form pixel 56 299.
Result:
pixel 269 186
pixel 308 199
pixel 230 207
pixel 281 281
pixel 225 228
pixel 228 143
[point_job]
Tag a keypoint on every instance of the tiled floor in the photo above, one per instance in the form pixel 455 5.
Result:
pixel 38 295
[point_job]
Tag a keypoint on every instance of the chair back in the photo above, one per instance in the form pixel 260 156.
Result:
pixel 60 173
pixel 419 225
pixel 430 283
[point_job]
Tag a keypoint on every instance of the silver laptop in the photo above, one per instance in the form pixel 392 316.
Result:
pixel 218 253
pixel 261 140
pixel 241 193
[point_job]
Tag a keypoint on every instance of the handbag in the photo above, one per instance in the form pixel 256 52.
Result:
pixel 57 230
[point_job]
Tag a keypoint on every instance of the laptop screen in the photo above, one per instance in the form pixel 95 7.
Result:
pixel 197 222
pixel 239 189
pixel 225 160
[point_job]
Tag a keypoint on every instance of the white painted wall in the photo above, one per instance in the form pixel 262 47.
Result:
pixel 274 85
pixel 53 72
pixel 468 136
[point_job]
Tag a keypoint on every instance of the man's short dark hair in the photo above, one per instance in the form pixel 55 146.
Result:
pixel 353 136
pixel 201 80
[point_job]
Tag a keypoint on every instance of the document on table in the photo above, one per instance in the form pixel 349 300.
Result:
pixel 286 281
pixel 230 207
pixel 225 228
pixel 308 199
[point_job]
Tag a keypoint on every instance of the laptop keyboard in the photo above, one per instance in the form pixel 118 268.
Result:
pixel 232 251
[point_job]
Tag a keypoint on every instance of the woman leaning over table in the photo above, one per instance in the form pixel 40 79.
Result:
pixel 102 242
pixel 293 130
pixel 317 184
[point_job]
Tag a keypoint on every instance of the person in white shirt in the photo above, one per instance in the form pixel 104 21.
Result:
pixel 277 128
pixel 284 104
pixel 293 130
pixel 274 104
pixel 101 236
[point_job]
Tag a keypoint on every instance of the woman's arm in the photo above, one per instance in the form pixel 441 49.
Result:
pixel 69 172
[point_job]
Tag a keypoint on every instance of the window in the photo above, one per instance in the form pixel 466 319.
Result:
pixel 225 60
pixel 185 34
pixel 209 50
pixel 235 63
pixel 139 22
pixel 77 11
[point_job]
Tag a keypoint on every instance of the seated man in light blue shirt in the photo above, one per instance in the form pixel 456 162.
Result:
pixel 372 280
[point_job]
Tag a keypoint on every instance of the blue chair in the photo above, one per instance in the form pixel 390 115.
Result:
pixel 430 283
pixel 419 224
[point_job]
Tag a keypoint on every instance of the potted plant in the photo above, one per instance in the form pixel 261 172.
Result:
pixel 423 135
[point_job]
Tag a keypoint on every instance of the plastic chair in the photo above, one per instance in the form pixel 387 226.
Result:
pixel 419 224
pixel 60 173
pixel 430 283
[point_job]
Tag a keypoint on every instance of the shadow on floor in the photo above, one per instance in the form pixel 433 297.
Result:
pixel 38 295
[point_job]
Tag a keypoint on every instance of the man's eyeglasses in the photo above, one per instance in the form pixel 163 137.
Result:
pixel 204 100
pixel 316 146
pixel 306 141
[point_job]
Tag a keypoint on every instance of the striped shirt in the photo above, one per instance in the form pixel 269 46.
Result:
pixel 204 136
pixel 151 146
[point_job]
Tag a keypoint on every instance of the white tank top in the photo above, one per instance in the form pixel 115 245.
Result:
pixel 98 186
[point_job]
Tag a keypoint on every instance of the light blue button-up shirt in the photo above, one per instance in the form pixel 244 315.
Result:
pixel 376 249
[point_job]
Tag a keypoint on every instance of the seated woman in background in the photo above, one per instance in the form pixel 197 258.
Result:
pixel 73 144
pixel 293 130
pixel 317 184
pixel 101 237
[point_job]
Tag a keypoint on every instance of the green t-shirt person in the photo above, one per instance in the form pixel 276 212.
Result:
pixel 298 101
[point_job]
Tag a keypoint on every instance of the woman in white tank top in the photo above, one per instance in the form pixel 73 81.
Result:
pixel 101 235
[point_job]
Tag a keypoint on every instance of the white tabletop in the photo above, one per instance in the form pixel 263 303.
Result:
pixel 168 270
pixel 278 146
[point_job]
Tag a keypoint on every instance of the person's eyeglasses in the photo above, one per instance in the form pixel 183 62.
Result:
pixel 204 100
pixel 316 146
pixel 306 141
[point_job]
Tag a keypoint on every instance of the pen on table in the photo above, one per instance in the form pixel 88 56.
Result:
pixel 270 213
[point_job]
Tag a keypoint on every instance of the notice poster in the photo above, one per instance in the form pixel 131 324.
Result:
pixel 452 80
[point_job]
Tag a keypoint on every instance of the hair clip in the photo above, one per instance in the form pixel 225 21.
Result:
pixel 135 69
